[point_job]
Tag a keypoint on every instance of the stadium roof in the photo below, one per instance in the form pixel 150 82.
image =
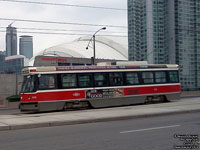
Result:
pixel 107 47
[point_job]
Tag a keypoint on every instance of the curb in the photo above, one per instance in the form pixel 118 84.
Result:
pixel 86 121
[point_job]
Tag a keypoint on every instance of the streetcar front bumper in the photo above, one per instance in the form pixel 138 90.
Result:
pixel 31 106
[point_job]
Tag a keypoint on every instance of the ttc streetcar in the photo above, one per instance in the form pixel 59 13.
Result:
pixel 63 87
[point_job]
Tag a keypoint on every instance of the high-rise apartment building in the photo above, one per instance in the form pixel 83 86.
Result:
pixel 147 30
pixel 167 31
pixel 11 41
pixel 2 61
pixel 187 41
pixel 26 46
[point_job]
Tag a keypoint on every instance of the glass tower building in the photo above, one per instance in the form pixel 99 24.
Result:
pixel 137 30
pixel 167 31
pixel 11 41
pixel 187 41
pixel 147 30
pixel 26 46
pixel 2 61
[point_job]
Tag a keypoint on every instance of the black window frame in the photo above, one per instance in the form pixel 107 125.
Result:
pixel 69 87
pixel 110 80
pixel 106 79
pixel 142 79
pixel 55 81
pixel 26 79
pixel 107 82
pixel 91 83
pixel 166 78
pixel 138 77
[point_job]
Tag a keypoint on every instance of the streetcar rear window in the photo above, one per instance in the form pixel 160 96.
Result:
pixel 132 78
pixel 68 80
pixel 173 76
pixel 47 82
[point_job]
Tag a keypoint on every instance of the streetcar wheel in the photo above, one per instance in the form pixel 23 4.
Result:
pixel 162 98
pixel 149 99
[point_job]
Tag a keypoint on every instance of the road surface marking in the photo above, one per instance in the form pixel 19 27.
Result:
pixel 156 128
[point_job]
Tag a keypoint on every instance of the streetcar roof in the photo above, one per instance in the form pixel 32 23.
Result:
pixel 60 69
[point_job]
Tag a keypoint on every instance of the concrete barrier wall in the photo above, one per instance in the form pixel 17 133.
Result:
pixel 190 93
pixel 10 84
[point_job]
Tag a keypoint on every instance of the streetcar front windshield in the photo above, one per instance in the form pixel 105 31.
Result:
pixel 28 84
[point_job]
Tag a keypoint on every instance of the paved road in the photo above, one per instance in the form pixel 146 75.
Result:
pixel 155 133
pixel 9 111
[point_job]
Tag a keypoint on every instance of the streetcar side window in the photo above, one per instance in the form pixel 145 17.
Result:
pixel 173 76
pixel 131 78
pixel 68 80
pixel 47 82
pixel 85 80
pixel 160 77
pixel 116 79
pixel 100 79
pixel 147 77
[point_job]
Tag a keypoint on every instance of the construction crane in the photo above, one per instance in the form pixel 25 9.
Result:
pixel 11 24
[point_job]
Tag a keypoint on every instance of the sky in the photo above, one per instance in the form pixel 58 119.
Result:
pixel 53 13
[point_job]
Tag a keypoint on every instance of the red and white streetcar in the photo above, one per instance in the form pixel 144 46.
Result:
pixel 63 87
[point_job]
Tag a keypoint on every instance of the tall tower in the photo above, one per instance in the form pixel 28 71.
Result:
pixel 148 30
pixel 11 41
pixel 167 31
pixel 2 61
pixel 26 46
pixel 187 42
pixel 137 34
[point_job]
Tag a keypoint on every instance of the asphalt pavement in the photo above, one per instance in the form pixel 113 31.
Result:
pixel 38 120
pixel 168 132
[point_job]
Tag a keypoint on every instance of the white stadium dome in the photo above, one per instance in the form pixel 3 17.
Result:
pixel 114 48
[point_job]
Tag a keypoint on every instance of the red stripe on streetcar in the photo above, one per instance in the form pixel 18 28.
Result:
pixel 53 96
pixel 152 90
pixel 80 94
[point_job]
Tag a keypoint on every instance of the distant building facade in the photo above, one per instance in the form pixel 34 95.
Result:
pixel 2 61
pixel 26 46
pixel 11 41
pixel 14 64
pixel 167 31
pixel 41 60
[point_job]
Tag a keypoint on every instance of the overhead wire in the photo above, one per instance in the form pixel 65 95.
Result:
pixel 66 5
pixel 70 34
pixel 54 29
pixel 59 22
pixel 64 23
